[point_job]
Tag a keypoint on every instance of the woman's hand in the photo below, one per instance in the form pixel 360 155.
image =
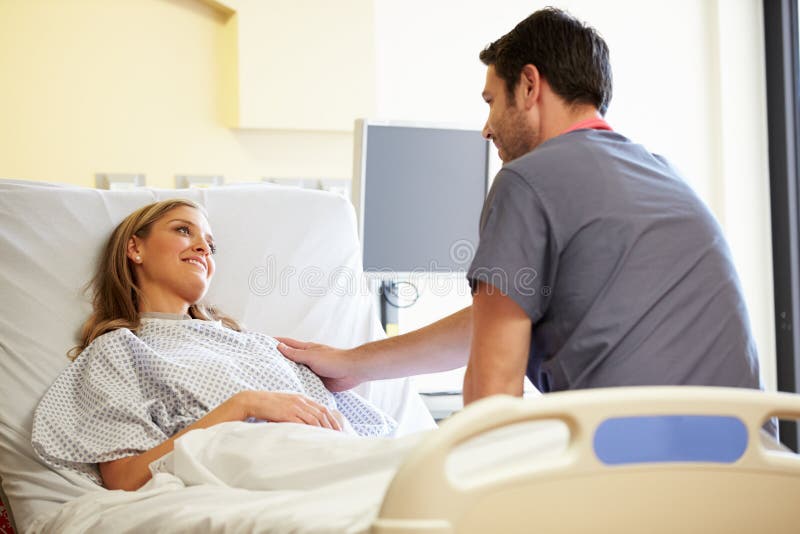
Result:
pixel 285 408
pixel 131 472
pixel 336 367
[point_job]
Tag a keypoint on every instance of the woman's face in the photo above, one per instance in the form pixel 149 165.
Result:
pixel 173 263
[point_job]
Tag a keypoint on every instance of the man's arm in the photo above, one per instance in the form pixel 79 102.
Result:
pixel 501 336
pixel 441 346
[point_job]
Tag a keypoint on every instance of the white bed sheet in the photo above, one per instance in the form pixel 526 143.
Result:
pixel 283 478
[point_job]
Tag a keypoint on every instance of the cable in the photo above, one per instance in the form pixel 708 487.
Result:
pixel 391 288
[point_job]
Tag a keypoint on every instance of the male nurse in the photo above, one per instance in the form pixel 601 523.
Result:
pixel 597 265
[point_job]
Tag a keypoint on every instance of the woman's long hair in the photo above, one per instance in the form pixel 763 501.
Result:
pixel 115 293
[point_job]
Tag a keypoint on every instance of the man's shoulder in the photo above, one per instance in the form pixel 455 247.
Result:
pixel 606 157
pixel 573 148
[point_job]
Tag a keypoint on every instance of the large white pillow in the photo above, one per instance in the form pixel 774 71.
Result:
pixel 288 264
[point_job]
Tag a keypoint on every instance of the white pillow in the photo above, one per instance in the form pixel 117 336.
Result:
pixel 288 264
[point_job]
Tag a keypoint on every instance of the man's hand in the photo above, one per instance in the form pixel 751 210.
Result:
pixel 336 367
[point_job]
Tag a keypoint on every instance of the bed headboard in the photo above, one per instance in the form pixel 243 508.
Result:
pixel 288 264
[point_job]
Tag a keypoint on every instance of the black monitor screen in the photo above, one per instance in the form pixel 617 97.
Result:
pixel 419 192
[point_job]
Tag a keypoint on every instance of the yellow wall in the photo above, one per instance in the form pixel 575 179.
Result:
pixel 91 86
pixel 305 64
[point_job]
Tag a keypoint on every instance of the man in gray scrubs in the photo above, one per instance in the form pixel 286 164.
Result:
pixel 597 265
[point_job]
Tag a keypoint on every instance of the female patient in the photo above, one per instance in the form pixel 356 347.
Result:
pixel 154 362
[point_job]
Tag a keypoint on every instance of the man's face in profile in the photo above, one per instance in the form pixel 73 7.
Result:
pixel 507 125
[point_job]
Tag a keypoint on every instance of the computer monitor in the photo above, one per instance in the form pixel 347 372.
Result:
pixel 418 192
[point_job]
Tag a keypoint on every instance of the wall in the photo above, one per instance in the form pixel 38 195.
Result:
pixel 304 64
pixel 134 86
pixel 92 86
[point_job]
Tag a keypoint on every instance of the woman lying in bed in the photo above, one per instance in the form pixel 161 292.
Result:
pixel 155 363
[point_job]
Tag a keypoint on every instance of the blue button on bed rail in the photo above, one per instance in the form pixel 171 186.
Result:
pixel 670 438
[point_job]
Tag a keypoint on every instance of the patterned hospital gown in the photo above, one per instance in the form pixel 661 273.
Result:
pixel 127 392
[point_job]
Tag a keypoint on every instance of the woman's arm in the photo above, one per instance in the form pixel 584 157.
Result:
pixel 133 472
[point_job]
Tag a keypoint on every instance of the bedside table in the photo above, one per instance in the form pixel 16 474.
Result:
pixel 443 404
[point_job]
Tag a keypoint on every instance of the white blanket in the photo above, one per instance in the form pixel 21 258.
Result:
pixel 240 477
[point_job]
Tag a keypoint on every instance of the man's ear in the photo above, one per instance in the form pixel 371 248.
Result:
pixel 530 85
pixel 133 252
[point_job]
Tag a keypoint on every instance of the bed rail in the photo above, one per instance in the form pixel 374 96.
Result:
pixel 638 459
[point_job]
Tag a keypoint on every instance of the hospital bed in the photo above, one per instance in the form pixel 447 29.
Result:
pixel 289 264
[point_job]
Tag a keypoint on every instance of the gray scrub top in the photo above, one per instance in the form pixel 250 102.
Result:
pixel 622 269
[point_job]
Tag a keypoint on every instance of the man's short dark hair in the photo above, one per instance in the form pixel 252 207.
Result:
pixel 570 55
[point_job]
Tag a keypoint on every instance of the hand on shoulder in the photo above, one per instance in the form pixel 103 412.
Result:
pixel 336 367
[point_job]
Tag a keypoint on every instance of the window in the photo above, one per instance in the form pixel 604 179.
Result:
pixel 782 49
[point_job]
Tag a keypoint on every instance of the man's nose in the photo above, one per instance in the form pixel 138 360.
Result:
pixel 487 132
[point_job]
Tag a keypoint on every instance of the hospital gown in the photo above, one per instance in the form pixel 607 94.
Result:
pixel 127 392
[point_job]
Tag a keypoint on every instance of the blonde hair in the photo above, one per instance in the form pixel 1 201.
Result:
pixel 115 293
